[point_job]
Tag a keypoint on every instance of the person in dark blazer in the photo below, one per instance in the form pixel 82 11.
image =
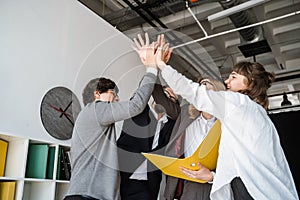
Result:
pixel 179 188
pixel 139 178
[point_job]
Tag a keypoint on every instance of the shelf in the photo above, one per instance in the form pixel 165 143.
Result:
pixel 47 188
pixel 37 190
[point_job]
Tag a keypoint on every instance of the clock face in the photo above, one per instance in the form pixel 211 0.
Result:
pixel 59 110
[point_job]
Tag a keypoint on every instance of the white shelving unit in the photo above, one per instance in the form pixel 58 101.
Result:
pixel 15 170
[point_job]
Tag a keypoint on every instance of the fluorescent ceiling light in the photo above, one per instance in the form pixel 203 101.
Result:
pixel 235 9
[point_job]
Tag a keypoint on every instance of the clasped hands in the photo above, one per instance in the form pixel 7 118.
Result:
pixel 156 54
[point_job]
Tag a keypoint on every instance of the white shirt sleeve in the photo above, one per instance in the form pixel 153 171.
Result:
pixel 215 103
pixel 214 174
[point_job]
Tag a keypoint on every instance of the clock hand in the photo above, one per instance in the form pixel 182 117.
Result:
pixel 59 110
pixel 65 114
pixel 65 109
pixel 55 108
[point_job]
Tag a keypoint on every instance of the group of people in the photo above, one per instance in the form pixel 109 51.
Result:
pixel 251 163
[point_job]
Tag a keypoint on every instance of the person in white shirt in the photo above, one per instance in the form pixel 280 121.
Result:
pixel 250 151
pixel 190 129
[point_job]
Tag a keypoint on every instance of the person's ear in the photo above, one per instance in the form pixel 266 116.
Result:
pixel 96 94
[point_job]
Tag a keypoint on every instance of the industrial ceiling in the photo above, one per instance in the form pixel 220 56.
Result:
pixel 209 36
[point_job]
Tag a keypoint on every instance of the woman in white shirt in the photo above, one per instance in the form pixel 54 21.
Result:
pixel 250 148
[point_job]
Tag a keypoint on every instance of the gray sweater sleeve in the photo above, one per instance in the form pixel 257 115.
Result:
pixel 108 113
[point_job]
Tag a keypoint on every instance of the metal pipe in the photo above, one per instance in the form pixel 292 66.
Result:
pixel 237 29
pixel 199 24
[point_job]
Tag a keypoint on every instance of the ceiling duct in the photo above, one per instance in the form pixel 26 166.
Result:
pixel 252 39
pixel 241 19
pixel 194 62
pixel 254 48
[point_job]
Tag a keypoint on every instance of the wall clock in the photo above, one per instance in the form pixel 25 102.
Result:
pixel 59 110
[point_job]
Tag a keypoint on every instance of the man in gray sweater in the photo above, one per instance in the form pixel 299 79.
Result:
pixel 94 159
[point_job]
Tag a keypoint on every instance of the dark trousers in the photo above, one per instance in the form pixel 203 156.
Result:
pixel 131 189
pixel 78 197
pixel 239 190
pixel 186 190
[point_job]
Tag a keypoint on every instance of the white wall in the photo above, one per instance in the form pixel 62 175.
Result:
pixel 49 43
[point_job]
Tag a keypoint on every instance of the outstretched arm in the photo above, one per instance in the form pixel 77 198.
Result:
pixel 147 54
pixel 116 111
pixel 172 107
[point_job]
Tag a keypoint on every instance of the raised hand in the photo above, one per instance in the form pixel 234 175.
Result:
pixel 145 50
pixel 163 52
pixel 167 51
pixel 167 54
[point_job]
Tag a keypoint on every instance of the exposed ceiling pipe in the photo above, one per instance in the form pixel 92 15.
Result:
pixel 186 51
pixel 139 13
pixel 241 19
pixel 193 15
pixel 159 8
pixel 150 14
pixel 238 29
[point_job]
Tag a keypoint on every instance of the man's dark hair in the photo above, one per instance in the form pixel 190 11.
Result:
pixel 105 84
pixel 88 91
pixel 100 84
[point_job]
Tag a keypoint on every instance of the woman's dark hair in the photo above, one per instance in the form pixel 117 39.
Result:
pixel 258 81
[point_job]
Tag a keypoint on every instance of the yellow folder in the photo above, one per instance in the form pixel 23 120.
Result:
pixel 7 190
pixel 206 154
pixel 3 154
